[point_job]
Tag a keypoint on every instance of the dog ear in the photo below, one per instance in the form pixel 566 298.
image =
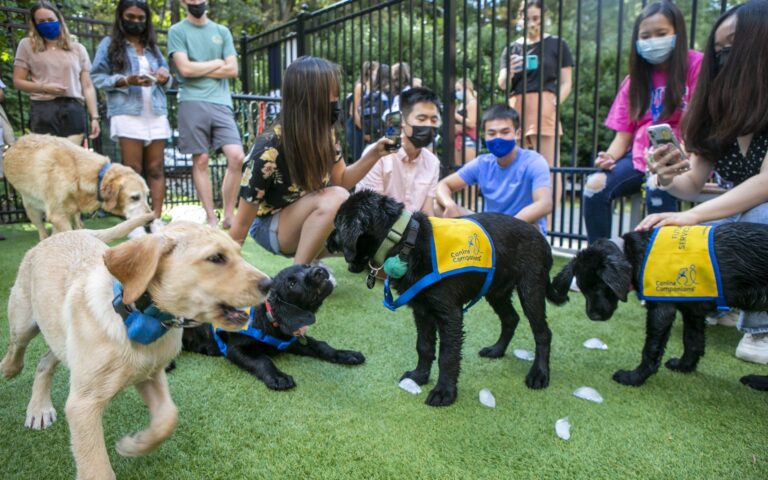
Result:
pixel 293 317
pixel 562 281
pixel 134 263
pixel 332 244
pixel 349 244
pixel 110 190
pixel 617 274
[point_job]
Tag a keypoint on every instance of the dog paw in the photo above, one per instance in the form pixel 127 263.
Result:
pixel 349 357
pixel 40 418
pixel 441 396
pixel 629 377
pixel 280 382
pixel 676 365
pixel 421 378
pixel 493 351
pixel 131 446
pixel 537 379
pixel 758 382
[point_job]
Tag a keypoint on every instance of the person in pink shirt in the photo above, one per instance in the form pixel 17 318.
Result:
pixel 659 63
pixel 410 174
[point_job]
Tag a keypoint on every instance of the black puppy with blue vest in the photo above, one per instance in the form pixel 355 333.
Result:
pixel 276 326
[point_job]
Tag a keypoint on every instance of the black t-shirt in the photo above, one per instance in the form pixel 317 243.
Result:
pixel 735 167
pixel 549 58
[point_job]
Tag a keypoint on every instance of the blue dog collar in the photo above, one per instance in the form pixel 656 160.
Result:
pixel 102 172
pixel 144 322
pixel 250 331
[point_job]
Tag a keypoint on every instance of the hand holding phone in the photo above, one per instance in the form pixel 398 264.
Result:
pixel 662 134
pixel 148 78
pixel 392 130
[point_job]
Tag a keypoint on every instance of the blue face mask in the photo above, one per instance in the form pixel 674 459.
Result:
pixel 500 147
pixel 656 50
pixel 49 30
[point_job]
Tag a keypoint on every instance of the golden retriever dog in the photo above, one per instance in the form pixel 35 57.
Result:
pixel 64 289
pixel 60 179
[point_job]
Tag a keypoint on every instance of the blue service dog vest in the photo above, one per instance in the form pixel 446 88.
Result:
pixel 680 265
pixel 458 246
pixel 250 331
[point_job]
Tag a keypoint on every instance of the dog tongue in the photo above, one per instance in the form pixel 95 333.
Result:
pixel 237 316
pixel 300 332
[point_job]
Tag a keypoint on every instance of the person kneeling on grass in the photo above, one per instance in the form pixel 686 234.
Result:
pixel 513 180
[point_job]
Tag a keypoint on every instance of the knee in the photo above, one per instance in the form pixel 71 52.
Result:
pixel 331 199
pixel 155 171
pixel 595 184
pixel 235 162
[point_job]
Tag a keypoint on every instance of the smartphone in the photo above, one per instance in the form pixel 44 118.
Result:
pixel 662 134
pixel 392 129
pixel 149 77
pixel 531 63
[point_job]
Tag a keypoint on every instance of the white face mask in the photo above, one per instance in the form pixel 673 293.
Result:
pixel 656 50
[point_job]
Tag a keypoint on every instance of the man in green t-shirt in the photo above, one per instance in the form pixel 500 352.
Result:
pixel 205 59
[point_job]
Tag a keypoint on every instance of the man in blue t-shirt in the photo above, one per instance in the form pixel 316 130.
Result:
pixel 513 180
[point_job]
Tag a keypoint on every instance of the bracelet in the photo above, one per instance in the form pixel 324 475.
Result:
pixel 95 117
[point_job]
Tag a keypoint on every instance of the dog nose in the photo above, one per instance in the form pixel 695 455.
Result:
pixel 265 284
pixel 319 273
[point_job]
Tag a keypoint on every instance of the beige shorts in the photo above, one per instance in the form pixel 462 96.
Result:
pixel 530 123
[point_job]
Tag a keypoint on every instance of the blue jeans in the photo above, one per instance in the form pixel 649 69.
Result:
pixel 622 181
pixel 750 322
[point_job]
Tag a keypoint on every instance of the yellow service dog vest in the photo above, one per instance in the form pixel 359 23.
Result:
pixel 458 246
pixel 680 265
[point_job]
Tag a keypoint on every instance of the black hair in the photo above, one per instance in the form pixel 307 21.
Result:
pixel 415 95
pixel 501 111
pixel 116 51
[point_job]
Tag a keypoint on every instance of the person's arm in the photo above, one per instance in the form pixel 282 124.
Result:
pixel 445 189
pixel 347 176
pixel 621 142
pixel 566 83
pixel 228 70
pixel 90 101
pixel 246 214
pixel 189 69
pixel 21 82
pixel 358 97
pixel 540 208
pixel 471 119
pixel 374 179
pixel 683 179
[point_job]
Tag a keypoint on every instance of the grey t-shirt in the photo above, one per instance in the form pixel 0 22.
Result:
pixel 201 44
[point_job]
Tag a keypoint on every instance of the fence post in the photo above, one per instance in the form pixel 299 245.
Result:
pixel 300 36
pixel 245 70
pixel 449 79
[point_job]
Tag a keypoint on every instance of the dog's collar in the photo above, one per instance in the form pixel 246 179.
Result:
pixel 100 179
pixel 396 232
pixel 143 320
pixel 271 315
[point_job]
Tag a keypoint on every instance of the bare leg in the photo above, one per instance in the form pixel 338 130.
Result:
pixel 76 139
pixel 202 180
pixel 40 411
pixel 154 169
pixel 546 147
pixel 164 415
pixel 230 185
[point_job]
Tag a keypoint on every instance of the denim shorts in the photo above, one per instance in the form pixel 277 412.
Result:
pixel 264 231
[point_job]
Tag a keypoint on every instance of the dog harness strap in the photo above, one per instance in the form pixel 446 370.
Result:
pixel 680 265
pixel 102 172
pixel 394 235
pixel 250 331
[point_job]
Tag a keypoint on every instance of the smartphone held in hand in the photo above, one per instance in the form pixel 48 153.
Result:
pixel 392 130
pixel 147 77
pixel 662 134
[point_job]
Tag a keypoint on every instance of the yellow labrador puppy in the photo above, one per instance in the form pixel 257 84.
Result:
pixel 65 288
pixel 60 179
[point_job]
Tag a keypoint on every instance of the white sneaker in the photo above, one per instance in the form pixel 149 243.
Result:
pixel 753 347
pixel 137 232
pixel 156 226
pixel 574 287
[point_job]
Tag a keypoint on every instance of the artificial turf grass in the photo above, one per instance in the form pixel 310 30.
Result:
pixel 353 422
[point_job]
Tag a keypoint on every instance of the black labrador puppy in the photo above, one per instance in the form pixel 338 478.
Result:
pixel 605 274
pixel 296 295
pixel 523 261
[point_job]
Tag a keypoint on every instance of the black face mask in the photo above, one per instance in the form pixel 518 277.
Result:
pixel 721 57
pixel 198 10
pixel 133 28
pixel 335 112
pixel 422 136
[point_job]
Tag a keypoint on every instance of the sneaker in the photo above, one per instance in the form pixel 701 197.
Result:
pixel 726 319
pixel 753 347
pixel 156 226
pixel 137 232
pixel 574 287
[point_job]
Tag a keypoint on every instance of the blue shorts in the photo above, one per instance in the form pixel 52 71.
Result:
pixel 264 231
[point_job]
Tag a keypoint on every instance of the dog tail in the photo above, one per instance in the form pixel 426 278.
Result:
pixel 557 289
pixel 121 229
pixel 556 296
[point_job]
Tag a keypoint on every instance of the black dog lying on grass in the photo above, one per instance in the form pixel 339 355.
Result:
pixel 523 261
pixel 605 274
pixel 297 293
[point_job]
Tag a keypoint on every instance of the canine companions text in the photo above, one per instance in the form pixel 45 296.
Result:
pixel 60 179
pixel 523 261
pixel 606 271
pixel 65 289
pixel 277 325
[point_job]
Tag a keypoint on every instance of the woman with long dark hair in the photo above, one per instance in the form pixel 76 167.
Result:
pixel 726 131
pixel 55 71
pixel 662 77
pixel 294 179
pixel 133 72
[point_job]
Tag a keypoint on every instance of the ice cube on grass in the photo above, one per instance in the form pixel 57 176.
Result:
pixel 563 428
pixel 410 386
pixel 588 393
pixel 487 399
pixel 595 344
pixel 523 354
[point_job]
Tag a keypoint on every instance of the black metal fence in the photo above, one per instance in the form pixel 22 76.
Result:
pixel 441 41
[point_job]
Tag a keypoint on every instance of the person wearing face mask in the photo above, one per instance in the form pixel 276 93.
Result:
pixel 294 179
pixel 410 174
pixel 726 131
pixel 55 71
pixel 514 181
pixel 131 69
pixel 203 54
pixel 662 77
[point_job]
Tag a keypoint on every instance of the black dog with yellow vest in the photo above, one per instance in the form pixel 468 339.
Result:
pixel 373 230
